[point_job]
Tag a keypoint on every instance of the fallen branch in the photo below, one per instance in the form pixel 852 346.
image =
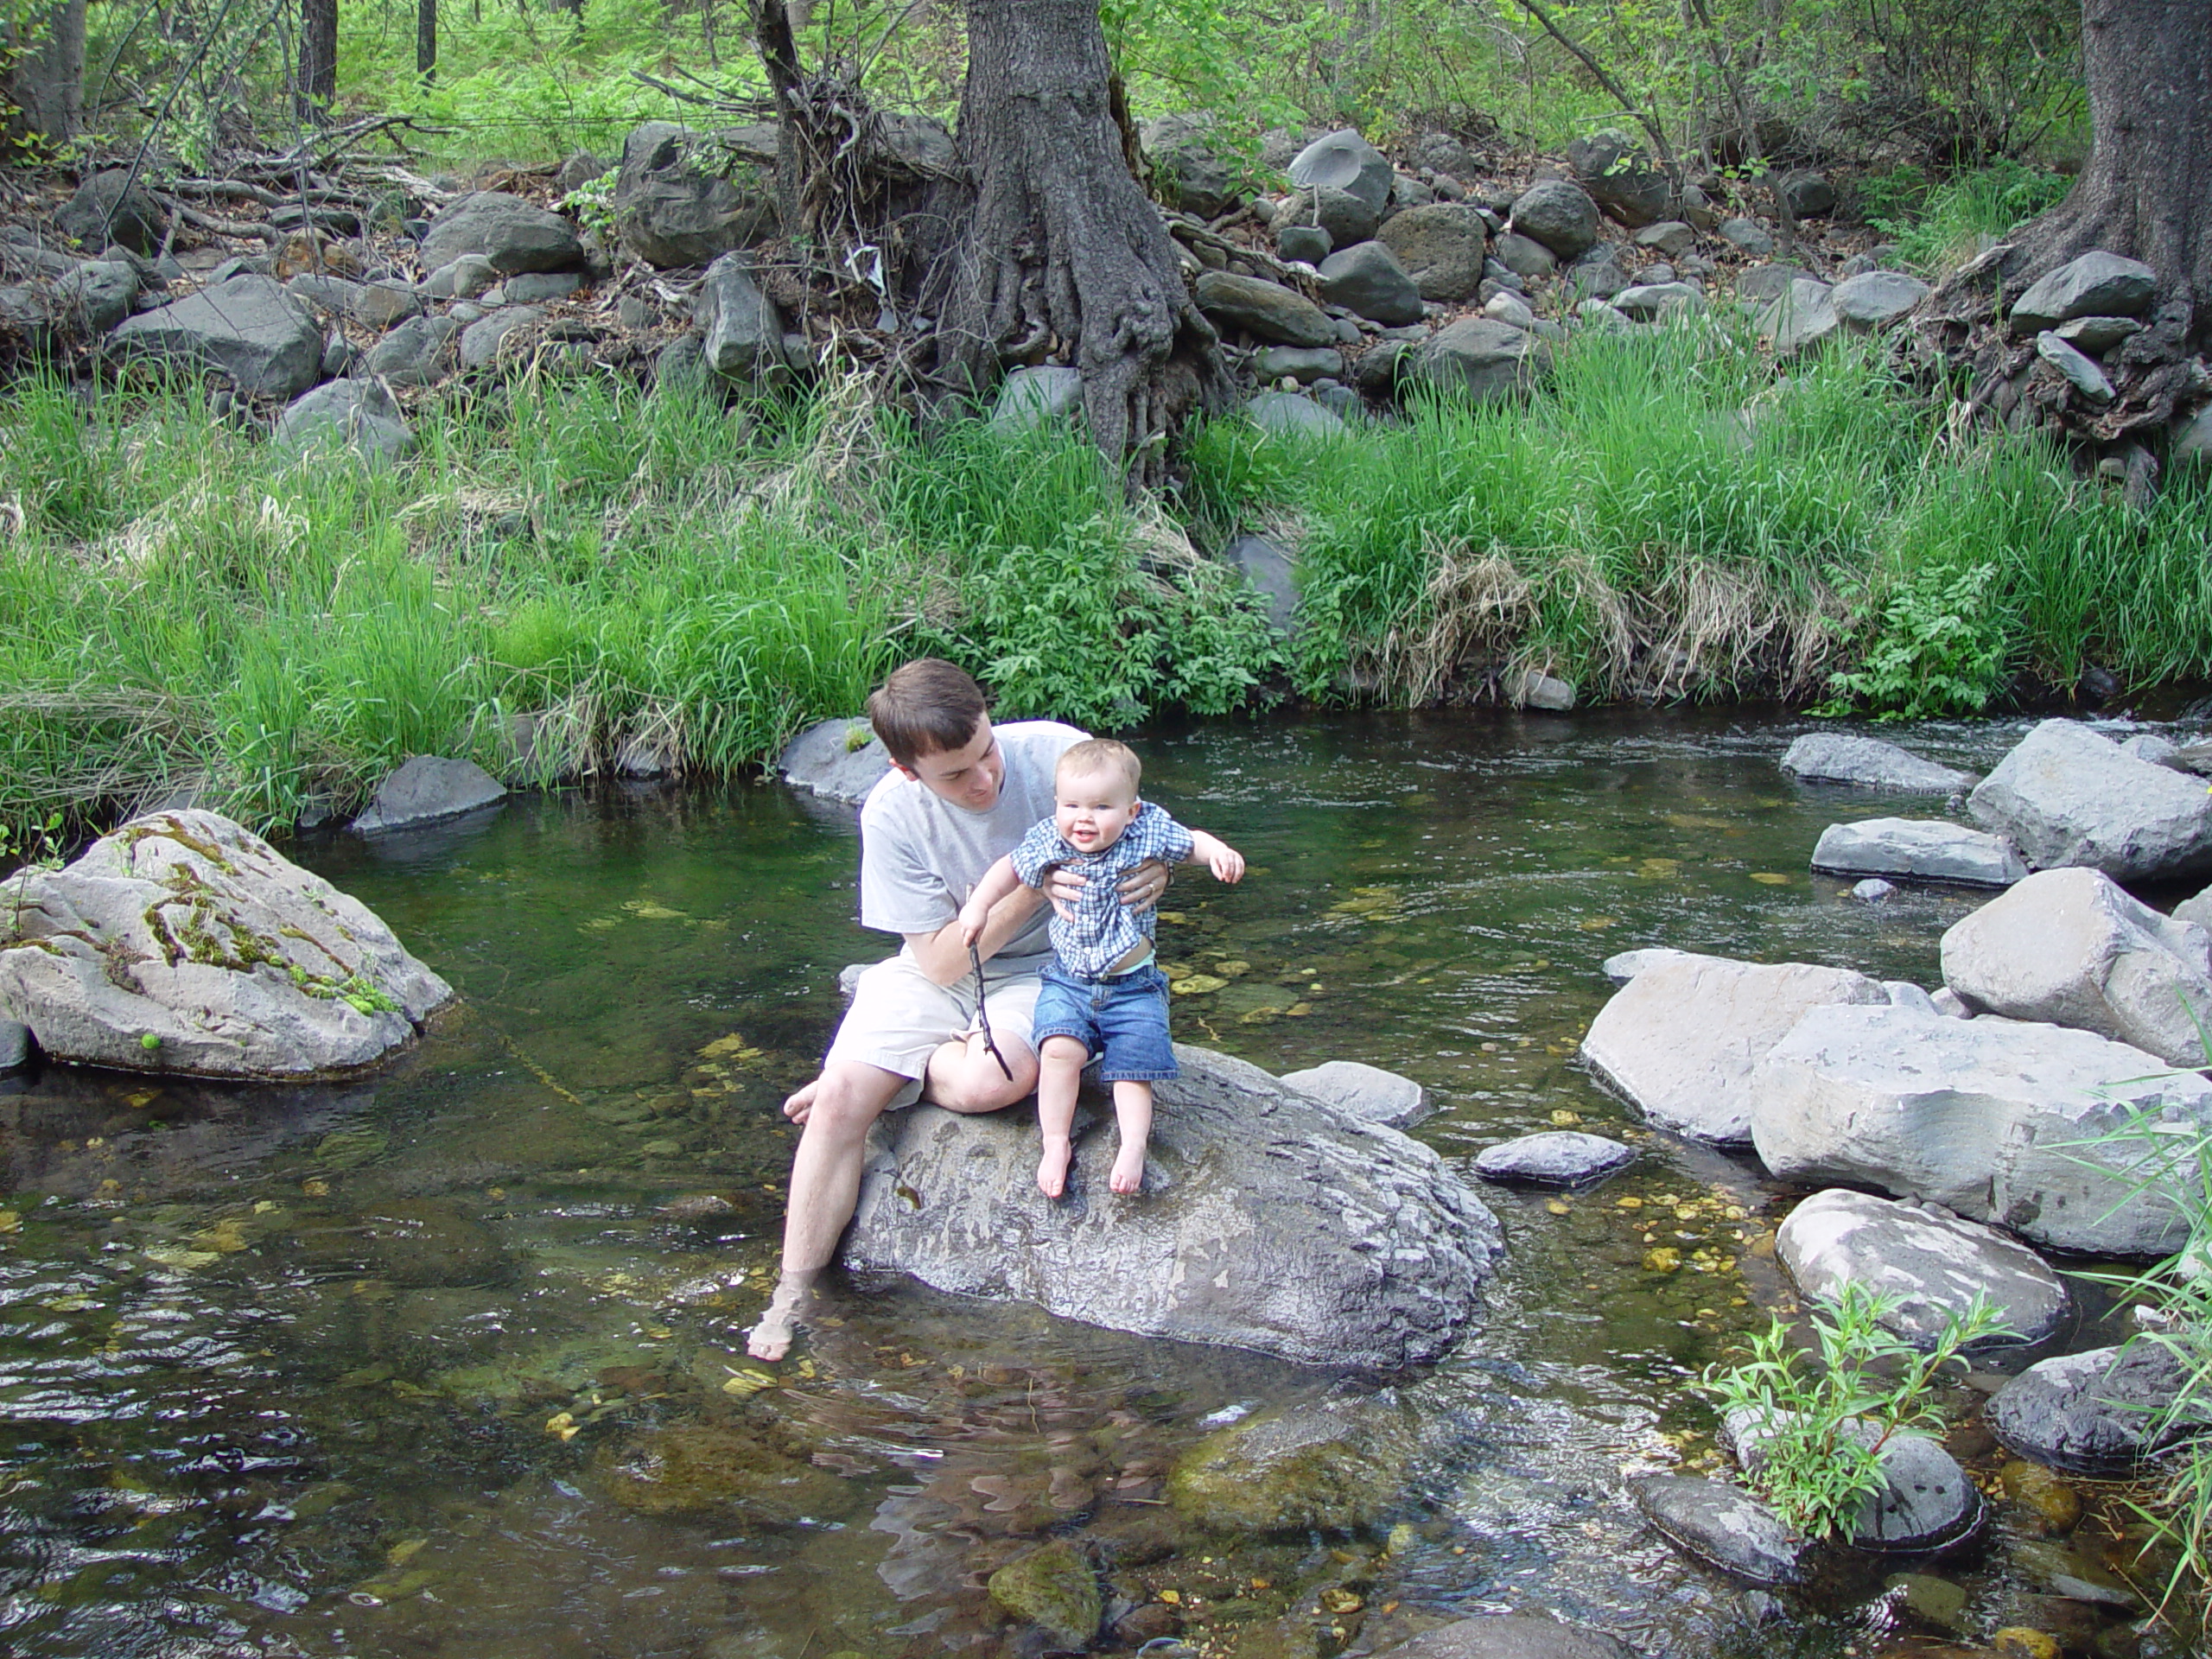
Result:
pixel 1658 135
pixel 249 230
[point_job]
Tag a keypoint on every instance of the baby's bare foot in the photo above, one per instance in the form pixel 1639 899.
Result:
pixel 1129 1168
pixel 1052 1168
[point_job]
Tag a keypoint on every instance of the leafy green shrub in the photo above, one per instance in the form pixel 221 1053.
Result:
pixel 1821 1422
pixel 1939 648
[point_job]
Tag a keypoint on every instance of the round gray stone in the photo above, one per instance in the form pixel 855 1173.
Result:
pixel 1367 1093
pixel 1554 1157
pixel 1722 1526
pixel 1558 215
pixel 2091 1413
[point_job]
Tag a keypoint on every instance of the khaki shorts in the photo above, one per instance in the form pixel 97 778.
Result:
pixel 899 1017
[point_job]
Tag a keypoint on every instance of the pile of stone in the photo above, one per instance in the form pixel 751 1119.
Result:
pixel 2047 1098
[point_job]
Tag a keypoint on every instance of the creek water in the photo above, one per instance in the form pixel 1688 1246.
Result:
pixel 450 1361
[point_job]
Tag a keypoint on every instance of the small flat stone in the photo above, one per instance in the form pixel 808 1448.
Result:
pixel 1872 891
pixel 1365 1093
pixel 1919 850
pixel 1554 1157
pixel 426 789
pixel 2080 373
pixel 1847 758
pixel 1722 1526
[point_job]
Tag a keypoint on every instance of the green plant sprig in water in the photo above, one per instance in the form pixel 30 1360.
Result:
pixel 1824 1418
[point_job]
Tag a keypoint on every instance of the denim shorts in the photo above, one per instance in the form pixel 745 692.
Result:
pixel 1121 1021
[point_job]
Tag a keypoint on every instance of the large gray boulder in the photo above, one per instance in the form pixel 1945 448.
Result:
pixel 183 944
pixel 1512 1635
pixel 1367 280
pixel 1344 161
pixel 1847 758
pixel 1875 300
pixel 1800 317
pixel 1262 308
pixel 1927 1503
pixel 512 233
pixel 1683 1040
pixel 1933 1263
pixel 2094 1413
pixel 2016 1124
pixel 356 414
pixel 114 207
pixel 1558 215
pixel 1919 850
pixel 1441 247
pixel 682 198
pixel 742 335
pixel 1365 1093
pixel 247 329
pixel 838 759
pixel 1186 164
pixel 1482 359
pixel 425 789
pixel 1268 1221
pixel 2097 284
pixel 2068 796
pixel 2071 948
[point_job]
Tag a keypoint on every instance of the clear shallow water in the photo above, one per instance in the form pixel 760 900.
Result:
pixel 449 1363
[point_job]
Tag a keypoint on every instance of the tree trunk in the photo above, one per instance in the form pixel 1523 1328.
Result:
pixel 318 86
pixel 1062 255
pixel 46 86
pixel 426 39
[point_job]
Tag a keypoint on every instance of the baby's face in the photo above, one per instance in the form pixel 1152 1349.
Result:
pixel 1092 808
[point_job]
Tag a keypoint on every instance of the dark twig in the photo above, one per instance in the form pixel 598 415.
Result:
pixel 1658 135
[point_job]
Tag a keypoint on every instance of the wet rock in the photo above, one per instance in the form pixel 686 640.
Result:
pixel 1681 1041
pixel 418 352
pixel 114 207
pixel 1441 247
pixel 1267 310
pixel 1841 758
pixel 2068 796
pixel 1932 1263
pixel 1367 279
pixel 2079 372
pixel 1510 1636
pixel 1747 236
pixel 750 1465
pixel 682 199
pixel 182 943
pixel 1033 396
pixel 1995 1119
pixel 356 414
pixel 1184 162
pixel 2097 285
pixel 1722 1526
pixel 1554 1157
pixel 425 789
pixel 839 759
pixel 1938 1601
pixel 1921 849
pixel 742 336
pixel 513 234
pixel 246 329
pixel 423 1241
pixel 1367 1094
pixel 1268 1221
pixel 1287 414
pixel 1801 317
pixel 1484 359
pixel 1927 1503
pixel 1344 161
pixel 1876 298
pixel 1560 215
pixel 1336 1464
pixel 2096 1412
pixel 2055 1503
pixel 1648 301
pixel 2071 948
pixel 1054 1588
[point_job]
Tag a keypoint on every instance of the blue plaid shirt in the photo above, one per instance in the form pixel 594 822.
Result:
pixel 1103 929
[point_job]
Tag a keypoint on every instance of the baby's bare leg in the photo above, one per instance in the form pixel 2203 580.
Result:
pixel 1059 1072
pixel 1132 1116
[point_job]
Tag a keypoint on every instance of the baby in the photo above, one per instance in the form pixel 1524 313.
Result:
pixel 1102 993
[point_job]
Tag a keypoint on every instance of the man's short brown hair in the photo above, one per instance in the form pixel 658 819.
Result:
pixel 1098 756
pixel 926 707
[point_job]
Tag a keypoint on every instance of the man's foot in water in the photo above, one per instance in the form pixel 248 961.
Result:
pixel 772 1338
pixel 1052 1167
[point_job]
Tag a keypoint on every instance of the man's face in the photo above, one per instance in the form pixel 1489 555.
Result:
pixel 970 776
pixel 1092 809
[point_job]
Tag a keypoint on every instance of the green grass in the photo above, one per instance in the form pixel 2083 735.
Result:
pixel 1936 226
pixel 1671 518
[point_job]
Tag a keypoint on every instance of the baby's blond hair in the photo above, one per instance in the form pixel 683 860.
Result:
pixel 1098 756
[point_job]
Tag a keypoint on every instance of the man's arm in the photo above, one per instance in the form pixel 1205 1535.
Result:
pixel 942 955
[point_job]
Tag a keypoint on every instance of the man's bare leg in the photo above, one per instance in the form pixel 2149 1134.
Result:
pixel 1059 1075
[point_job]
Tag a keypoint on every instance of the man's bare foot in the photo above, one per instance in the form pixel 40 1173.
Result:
pixel 1129 1168
pixel 796 1105
pixel 1052 1168
pixel 771 1339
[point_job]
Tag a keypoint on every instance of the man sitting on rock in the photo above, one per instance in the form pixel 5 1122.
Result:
pixel 960 796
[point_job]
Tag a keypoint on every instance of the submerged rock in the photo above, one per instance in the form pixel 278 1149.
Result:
pixel 1336 1464
pixel 1510 1636
pixel 1845 758
pixel 2068 796
pixel 1931 1262
pixel 1053 1588
pixel 1268 1221
pixel 1681 1039
pixel 2069 947
pixel 1361 1091
pixel 1721 1525
pixel 183 944
pixel 1998 1120
pixel 2094 1413
pixel 750 1463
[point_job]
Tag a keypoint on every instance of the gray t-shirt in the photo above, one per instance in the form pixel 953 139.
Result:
pixel 921 856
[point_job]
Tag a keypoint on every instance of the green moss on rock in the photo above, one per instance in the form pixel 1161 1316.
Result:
pixel 750 1461
pixel 1054 1588
pixel 1338 1466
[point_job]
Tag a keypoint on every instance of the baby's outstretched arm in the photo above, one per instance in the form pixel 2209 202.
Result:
pixel 999 881
pixel 1217 855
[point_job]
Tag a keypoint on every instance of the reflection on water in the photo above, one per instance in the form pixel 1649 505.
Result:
pixel 447 1363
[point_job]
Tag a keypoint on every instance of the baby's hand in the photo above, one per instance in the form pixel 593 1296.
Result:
pixel 972 919
pixel 1227 865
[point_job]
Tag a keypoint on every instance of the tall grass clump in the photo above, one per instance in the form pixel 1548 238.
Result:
pixel 1936 226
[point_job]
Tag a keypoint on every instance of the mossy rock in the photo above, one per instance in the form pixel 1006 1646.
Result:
pixel 1337 1465
pixel 1053 1588
pixel 749 1461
